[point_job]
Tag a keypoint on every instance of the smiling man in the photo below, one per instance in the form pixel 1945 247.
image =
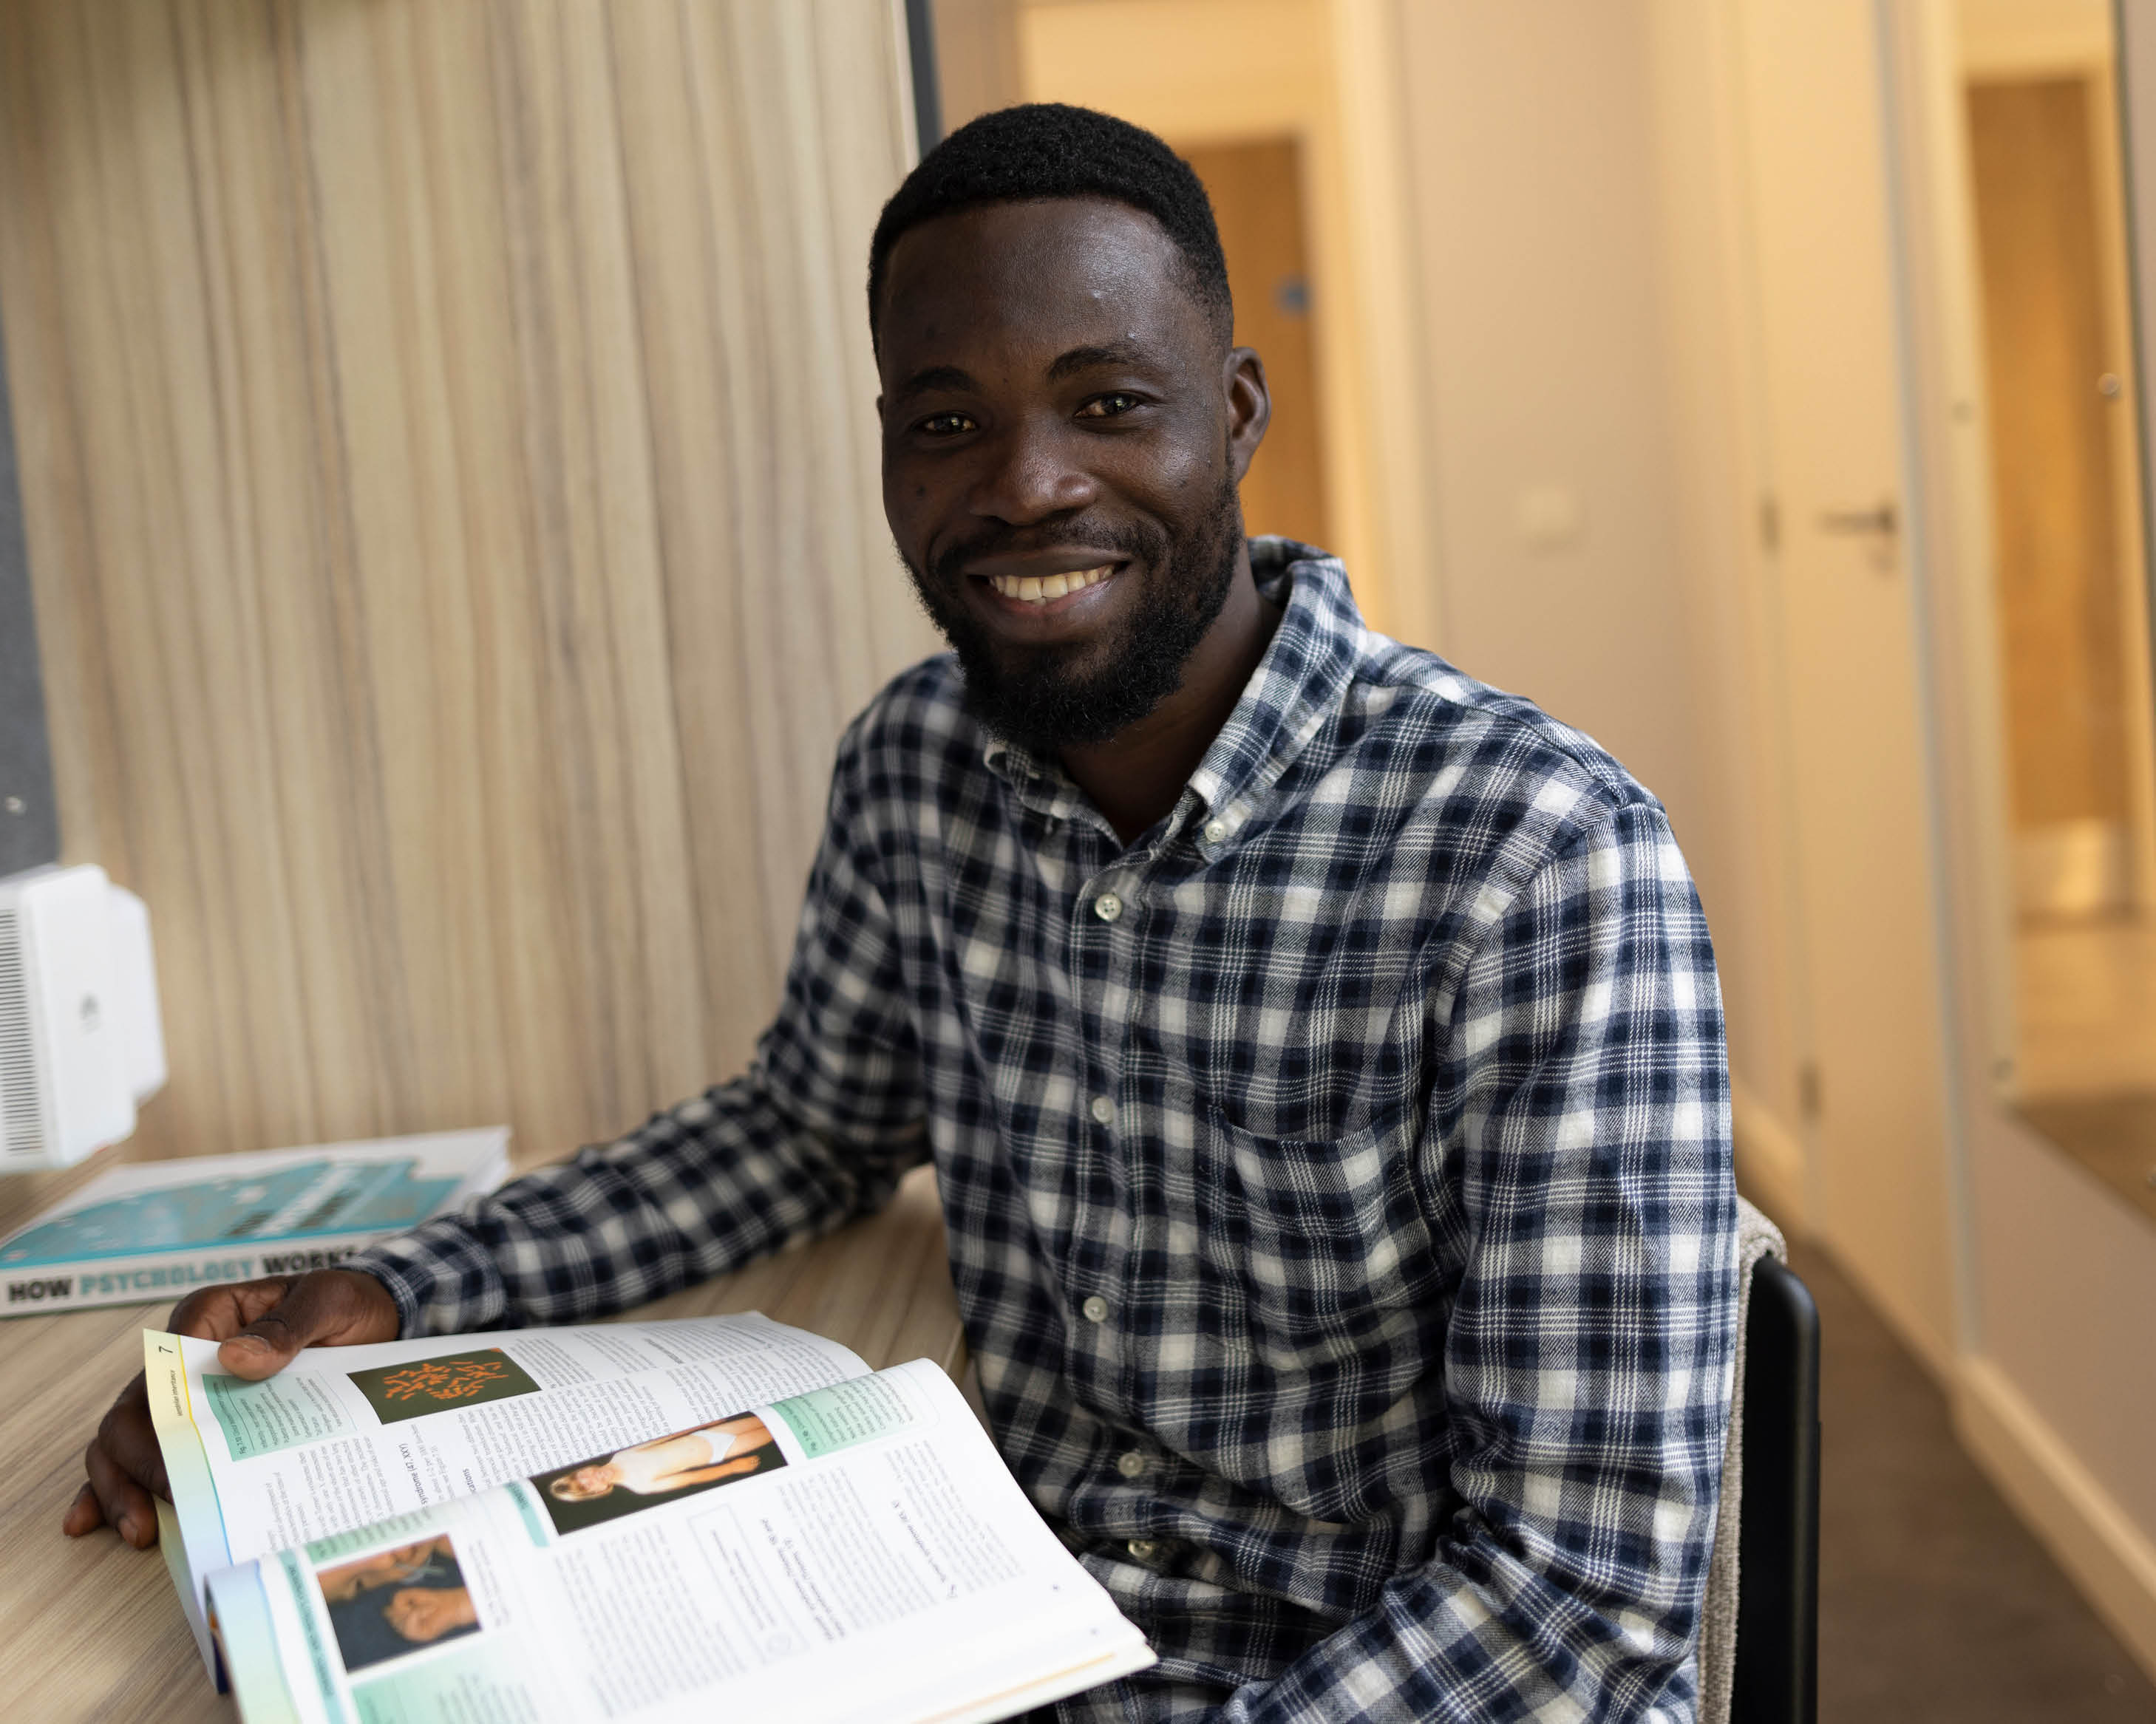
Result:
pixel 1320 1052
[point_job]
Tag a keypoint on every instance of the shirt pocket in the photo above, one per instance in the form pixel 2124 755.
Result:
pixel 1320 1245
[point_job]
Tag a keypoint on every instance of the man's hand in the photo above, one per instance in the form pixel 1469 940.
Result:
pixel 262 1324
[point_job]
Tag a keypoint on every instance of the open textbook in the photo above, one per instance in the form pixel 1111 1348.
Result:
pixel 642 1521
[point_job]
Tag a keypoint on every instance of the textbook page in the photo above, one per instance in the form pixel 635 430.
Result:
pixel 857 1552
pixel 345 1436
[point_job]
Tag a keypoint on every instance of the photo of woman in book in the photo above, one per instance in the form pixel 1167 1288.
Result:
pixel 721 1453
pixel 396 1601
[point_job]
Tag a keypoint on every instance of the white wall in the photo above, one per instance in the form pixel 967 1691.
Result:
pixel 1534 174
pixel 1744 848
pixel 1534 185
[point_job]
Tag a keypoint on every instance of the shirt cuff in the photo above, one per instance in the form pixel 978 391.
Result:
pixel 444 1280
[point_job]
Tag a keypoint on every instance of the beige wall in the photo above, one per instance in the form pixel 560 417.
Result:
pixel 452 499
pixel 1532 141
pixel 1745 850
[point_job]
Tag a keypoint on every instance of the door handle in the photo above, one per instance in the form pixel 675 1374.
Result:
pixel 1884 520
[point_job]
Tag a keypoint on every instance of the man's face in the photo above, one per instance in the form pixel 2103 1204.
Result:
pixel 1059 410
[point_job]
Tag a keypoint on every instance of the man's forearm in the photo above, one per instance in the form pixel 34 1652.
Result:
pixel 702 1188
pixel 1500 1648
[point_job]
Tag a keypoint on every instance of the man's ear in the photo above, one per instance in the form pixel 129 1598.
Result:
pixel 1249 406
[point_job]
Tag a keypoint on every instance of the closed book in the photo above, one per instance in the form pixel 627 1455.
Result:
pixel 155 1230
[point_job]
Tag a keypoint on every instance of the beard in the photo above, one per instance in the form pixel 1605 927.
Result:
pixel 1051 697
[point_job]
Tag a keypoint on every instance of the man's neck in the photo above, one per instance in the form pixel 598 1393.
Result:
pixel 1135 777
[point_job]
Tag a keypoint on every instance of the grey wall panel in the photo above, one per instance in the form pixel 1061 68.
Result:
pixel 29 821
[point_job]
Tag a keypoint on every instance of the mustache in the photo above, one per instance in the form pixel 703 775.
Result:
pixel 1129 539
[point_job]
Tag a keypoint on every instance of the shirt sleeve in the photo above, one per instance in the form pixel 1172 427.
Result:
pixel 827 1118
pixel 1588 1362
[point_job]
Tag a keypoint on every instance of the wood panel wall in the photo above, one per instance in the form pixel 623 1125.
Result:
pixel 450 474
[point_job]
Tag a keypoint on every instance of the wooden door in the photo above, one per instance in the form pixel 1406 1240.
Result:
pixel 2060 410
pixel 1864 856
pixel 1256 190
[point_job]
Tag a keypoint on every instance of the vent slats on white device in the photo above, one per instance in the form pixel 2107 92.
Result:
pixel 21 1118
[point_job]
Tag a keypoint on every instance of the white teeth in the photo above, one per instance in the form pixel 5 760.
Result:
pixel 1039 589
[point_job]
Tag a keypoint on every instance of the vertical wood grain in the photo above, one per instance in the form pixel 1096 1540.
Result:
pixel 451 480
pixel 2052 464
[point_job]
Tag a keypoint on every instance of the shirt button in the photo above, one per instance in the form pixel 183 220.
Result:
pixel 1107 906
pixel 1215 831
pixel 1103 1110
pixel 1095 1310
pixel 1130 1463
pixel 1144 1549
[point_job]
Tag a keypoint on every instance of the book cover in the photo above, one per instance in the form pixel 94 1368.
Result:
pixel 151 1230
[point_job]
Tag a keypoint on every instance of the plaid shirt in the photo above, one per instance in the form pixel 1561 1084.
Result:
pixel 1338 1178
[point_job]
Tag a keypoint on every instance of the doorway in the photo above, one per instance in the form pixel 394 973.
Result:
pixel 2069 588
pixel 1256 192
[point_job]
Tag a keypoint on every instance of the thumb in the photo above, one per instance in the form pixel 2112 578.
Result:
pixel 323 1305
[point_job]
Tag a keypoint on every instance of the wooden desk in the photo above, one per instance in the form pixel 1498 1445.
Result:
pixel 90 1628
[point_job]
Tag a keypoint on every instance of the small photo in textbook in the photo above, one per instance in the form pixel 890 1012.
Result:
pixel 397 1602
pixel 463 1379
pixel 644 1475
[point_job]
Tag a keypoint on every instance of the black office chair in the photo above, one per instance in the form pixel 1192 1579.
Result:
pixel 1775 1678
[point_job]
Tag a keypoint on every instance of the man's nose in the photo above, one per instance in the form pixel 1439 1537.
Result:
pixel 1031 474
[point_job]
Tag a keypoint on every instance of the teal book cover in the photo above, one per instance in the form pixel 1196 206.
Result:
pixel 144 1229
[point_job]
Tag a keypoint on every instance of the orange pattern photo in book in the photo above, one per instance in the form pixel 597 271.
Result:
pixel 423 1386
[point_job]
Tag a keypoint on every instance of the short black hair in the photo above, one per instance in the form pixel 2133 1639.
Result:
pixel 1043 149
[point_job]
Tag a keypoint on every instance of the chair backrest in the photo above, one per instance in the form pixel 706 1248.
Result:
pixel 1776 1679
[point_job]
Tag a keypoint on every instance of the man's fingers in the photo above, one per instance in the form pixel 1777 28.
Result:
pixel 125 1466
pixel 263 1348
pixel 85 1514
pixel 260 1325
pixel 125 1505
pixel 128 1439
pixel 332 1306
pixel 220 1312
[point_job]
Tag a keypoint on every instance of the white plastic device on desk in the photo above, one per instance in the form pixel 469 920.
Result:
pixel 81 1042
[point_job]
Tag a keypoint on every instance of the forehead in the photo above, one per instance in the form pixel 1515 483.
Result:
pixel 1050 274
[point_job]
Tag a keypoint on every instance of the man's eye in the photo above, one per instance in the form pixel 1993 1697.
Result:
pixel 946 424
pixel 1109 406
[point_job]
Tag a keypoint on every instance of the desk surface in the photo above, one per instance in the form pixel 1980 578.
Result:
pixel 90 1628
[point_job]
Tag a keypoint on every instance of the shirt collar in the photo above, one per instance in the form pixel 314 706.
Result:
pixel 1298 682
